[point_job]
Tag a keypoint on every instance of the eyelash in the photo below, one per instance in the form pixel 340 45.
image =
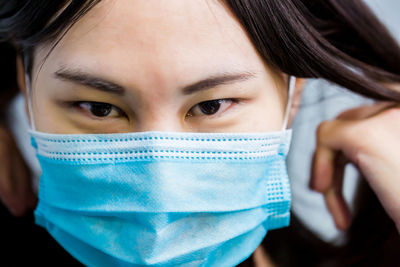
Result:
pixel 90 107
pixel 219 102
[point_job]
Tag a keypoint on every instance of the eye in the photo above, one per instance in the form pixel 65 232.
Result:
pixel 100 110
pixel 212 107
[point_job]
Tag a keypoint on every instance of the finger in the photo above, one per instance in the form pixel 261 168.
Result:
pixel 16 191
pixel 328 170
pixel 364 112
pixel 7 192
pixel 23 197
pixel 338 208
pixel 331 136
pixel 5 174
pixel 23 180
pixel 322 169
pixel 11 189
pixel 370 144
pixel 334 195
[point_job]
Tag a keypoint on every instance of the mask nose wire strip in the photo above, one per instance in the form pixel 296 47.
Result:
pixel 29 102
pixel 292 84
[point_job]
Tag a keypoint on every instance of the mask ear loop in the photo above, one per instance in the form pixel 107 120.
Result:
pixel 29 102
pixel 292 84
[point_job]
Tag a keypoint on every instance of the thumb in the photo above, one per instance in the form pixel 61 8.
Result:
pixel 333 149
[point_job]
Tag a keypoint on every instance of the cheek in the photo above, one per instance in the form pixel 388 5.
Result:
pixel 47 113
pixel 266 115
pixel 267 111
pixel 47 116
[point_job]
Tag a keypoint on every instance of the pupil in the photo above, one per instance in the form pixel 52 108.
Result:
pixel 210 107
pixel 100 109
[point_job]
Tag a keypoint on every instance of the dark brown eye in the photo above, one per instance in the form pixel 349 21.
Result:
pixel 210 107
pixel 99 109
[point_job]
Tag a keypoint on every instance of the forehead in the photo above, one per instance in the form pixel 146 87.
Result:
pixel 166 36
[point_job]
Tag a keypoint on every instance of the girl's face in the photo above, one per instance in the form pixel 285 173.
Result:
pixel 156 65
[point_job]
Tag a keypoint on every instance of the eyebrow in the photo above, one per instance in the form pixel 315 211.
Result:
pixel 86 79
pixel 214 81
pixel 82 78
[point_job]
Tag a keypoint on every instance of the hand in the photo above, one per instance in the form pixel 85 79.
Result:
pixel 16 190
pixel 369 137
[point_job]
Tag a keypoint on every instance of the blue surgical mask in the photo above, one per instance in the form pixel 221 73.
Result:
pixel 162 199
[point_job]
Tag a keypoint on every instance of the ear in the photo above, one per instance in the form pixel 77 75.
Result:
pixel 300 83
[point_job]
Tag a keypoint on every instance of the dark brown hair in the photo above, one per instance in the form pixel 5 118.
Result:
pixel 338 40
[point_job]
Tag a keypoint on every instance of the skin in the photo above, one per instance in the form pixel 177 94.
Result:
pixel 154 49
pixel 15 178
pixel 182 43
pixel 160 52
pixel 367 137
